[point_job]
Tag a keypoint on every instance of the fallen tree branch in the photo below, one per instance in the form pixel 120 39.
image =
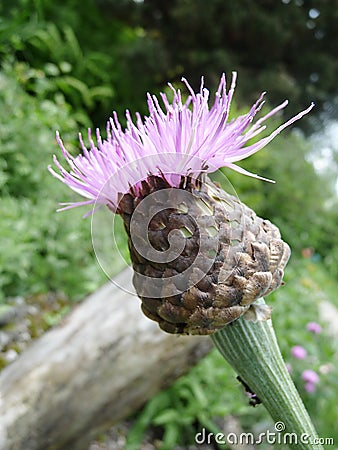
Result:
pixel 96 368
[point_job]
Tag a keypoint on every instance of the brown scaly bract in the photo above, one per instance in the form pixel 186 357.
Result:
pixel 243 257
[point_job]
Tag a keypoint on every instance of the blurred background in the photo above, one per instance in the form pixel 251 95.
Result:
pixel 67 66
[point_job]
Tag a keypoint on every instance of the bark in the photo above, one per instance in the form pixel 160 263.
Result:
pixel 96 368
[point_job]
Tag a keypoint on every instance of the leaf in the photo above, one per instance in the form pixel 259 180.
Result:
pixel 73 45
pixel 103 93
pixel 169 415
pixel 68 83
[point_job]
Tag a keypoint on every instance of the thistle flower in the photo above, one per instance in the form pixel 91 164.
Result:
pixel 203 258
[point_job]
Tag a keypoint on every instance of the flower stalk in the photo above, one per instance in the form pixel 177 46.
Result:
pixel 251 348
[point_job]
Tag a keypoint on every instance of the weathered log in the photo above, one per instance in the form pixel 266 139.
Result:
pixel 97 367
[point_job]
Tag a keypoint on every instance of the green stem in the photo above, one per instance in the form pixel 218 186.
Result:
pixel 252 350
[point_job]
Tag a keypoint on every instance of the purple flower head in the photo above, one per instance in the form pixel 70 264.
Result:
pixel 176 139
pixel 310 376
pixel 310 387
pixel 314 327
pixel 298 352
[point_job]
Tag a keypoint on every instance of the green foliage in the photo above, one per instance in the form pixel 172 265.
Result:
pixel 40 250
pixel 27 138
pixel 74 51
pixel 83 78
pixel 54 76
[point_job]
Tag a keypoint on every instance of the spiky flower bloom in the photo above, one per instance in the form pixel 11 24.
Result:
pixel 200 256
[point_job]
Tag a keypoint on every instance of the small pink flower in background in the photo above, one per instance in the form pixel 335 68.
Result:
pixel 298 352
pixel 310 387
pixel 314 327
pixel 310 376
